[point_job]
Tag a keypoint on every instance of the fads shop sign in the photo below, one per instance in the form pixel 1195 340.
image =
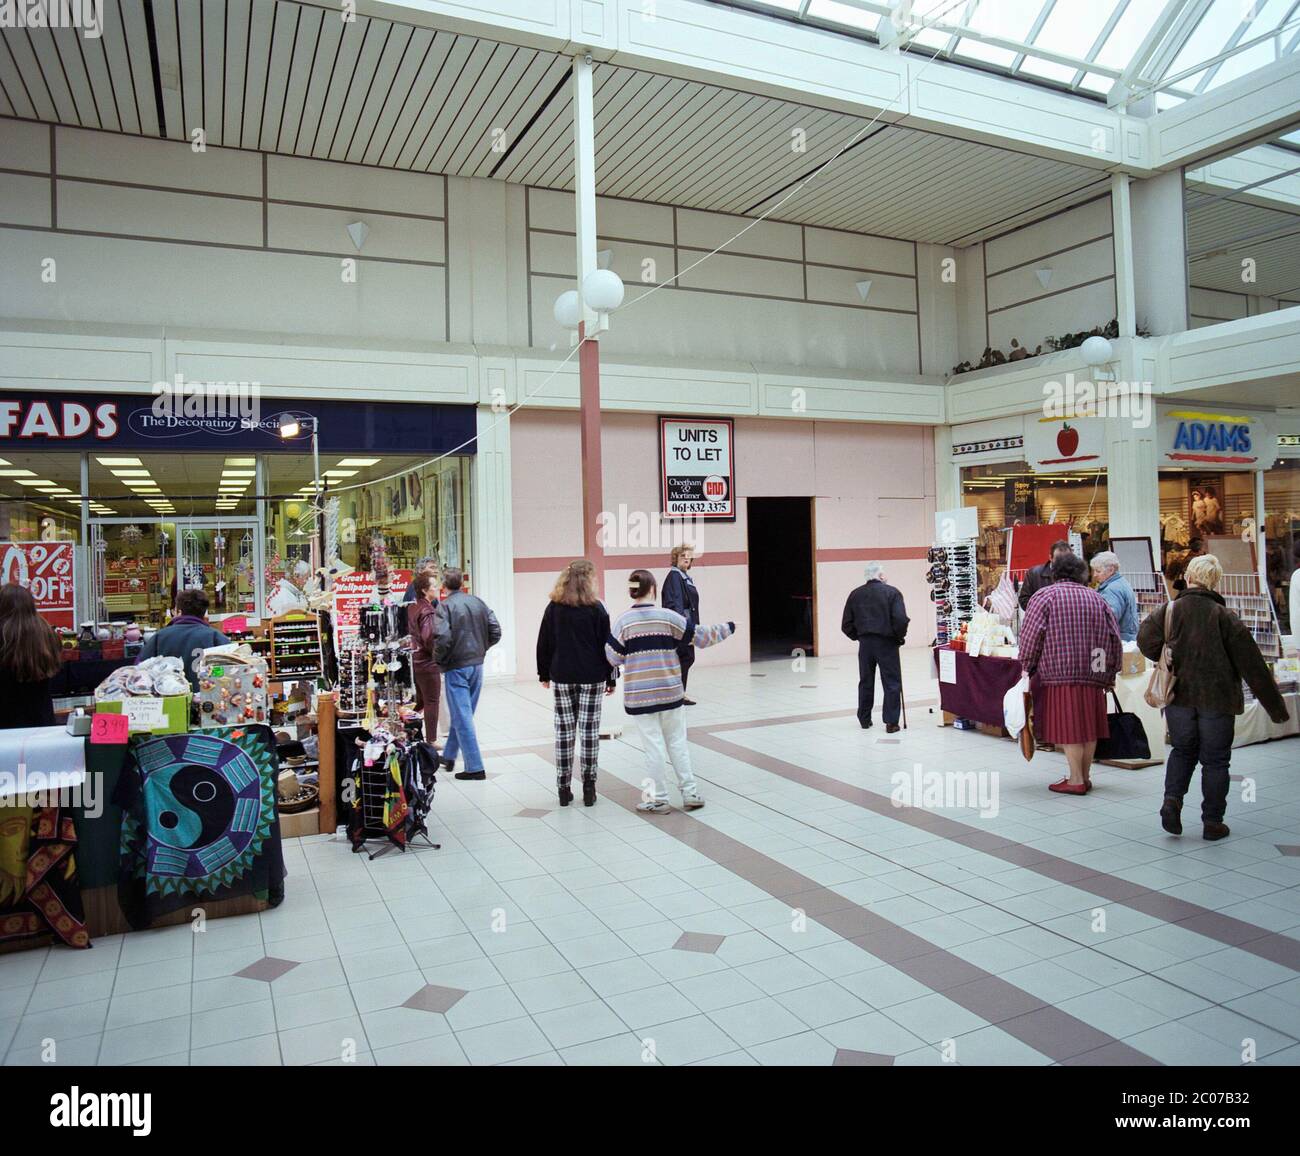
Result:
pixel 69 421
pixel 697 468
pixel 1219 439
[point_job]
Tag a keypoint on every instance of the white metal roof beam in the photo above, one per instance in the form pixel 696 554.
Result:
pixel 1174 12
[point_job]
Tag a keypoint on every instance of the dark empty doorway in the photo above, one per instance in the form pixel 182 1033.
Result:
pixel 782 598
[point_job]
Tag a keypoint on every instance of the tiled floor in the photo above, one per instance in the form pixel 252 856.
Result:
pixel 799 918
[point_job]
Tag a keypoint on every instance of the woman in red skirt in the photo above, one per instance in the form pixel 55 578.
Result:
pixel 1071 650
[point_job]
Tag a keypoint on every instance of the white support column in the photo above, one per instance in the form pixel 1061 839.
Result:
pixel 1121 208
pixel 493 575
pixel 1133 481
pixel 584 178
pixel 947 475
pixel 1159 253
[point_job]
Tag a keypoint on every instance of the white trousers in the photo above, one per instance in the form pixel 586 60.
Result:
pixel 663 737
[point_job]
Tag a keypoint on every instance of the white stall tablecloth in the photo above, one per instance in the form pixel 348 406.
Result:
pixel 39 759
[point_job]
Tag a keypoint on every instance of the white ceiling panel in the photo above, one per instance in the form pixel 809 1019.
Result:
pixel 289 76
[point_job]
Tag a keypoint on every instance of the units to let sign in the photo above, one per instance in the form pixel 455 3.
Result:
pixel 698 468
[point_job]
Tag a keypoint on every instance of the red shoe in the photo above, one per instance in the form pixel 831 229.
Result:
pixel 1065 787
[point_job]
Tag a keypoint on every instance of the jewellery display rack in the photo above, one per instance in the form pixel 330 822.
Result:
pixel 375 674
pixel 295 645
pixel 952 576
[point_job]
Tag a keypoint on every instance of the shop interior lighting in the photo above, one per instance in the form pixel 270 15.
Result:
pixel 241 461
pixel 16 474
pixel 34 482
pixel 361 462
pixel 339 474
pixel 119 461
pixel 128 473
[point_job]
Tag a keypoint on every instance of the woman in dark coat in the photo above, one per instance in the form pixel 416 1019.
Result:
pixel 428 677
pixel 30 655
pixel 571 659
pixel 1070 648
pixel 1214 652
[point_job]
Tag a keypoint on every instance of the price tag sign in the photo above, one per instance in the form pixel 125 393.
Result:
pixel 948 666
pixel 110 729
pixel 144 713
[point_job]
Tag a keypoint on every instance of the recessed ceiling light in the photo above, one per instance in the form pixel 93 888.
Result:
pixel 339 474
pixel 119 461
pixel 34 482
pixel 241 461
pixel 5 462
pixel 16 474
pixel 129 473
pixel 228 473
pixel 360 461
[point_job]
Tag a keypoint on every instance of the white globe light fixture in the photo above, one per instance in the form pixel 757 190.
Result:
pixel 1096 350
pixel 602 289
pixel 568 310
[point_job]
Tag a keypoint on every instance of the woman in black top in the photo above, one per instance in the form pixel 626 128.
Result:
pixel 571 655
pixel 30 655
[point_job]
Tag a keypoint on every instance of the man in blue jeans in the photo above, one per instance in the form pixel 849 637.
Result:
pixel 464 630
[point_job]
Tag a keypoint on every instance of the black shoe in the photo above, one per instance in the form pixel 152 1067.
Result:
pixel 588 794
pixel 566 796
pixel 447 765
pixel 892 728
pixel 1171 816
pixel 1214 831
pixel 866 726
pixel 688 702
pixel 474 775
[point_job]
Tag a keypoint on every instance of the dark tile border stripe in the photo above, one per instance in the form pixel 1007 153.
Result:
pixel 1225 929
pixel 1046 1029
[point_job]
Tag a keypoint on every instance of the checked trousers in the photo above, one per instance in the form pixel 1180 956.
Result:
pixel 577 723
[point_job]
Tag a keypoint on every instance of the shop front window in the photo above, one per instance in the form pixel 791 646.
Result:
pixel 1206 513
pixel 1010 493
pixel 420 510
pixel 1282 532
pixel 40 497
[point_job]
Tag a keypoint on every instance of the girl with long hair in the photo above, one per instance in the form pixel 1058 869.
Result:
pixel 30 655
pixel 571 662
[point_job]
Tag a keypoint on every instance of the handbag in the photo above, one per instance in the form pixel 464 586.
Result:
pixel 1128 737
pixel 1027 744
pixel 1160 687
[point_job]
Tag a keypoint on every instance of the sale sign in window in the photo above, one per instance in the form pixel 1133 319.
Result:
pixel 698 464
pixel 48 570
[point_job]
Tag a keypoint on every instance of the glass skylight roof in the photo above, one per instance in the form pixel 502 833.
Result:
pixel 1115 49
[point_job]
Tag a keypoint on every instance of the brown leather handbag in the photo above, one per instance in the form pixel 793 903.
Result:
pixel 1160 688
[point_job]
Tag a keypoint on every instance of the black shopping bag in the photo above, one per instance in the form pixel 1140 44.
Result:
pixel 1128 738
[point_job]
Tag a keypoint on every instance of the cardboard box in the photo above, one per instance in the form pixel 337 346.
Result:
pixel 169 715
pixel 1133 663
pixel 300 823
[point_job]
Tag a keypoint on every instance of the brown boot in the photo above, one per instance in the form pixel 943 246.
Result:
pixel 1215 831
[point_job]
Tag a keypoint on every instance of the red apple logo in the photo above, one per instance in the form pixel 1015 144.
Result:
pixel 1067 441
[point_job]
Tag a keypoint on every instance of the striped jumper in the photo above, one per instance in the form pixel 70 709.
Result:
pixel 644 642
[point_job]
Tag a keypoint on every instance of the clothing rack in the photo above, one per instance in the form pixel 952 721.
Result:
pixel 393 779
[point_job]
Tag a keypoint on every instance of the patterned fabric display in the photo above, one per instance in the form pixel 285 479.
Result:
pixel 198 812
pixel 39 889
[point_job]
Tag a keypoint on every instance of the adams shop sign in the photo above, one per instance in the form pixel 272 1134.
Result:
pixel 1216 439
pixel 76 421
pixel 697 461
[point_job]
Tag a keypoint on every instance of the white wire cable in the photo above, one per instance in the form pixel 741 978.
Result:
pixel 793 192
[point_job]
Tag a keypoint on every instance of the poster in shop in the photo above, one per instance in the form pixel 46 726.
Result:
pixel 48 570
pixel 353 591
pixel 698 468
pixel 1056 445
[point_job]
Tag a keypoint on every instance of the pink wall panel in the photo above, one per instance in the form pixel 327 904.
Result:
pixel 775 458
pixel 546 484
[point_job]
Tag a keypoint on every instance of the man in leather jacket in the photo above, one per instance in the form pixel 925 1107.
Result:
pixel 464 630
pixel 876 619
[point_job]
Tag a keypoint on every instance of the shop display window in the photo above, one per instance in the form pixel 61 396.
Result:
pixel 1282 530
pixel 1011 492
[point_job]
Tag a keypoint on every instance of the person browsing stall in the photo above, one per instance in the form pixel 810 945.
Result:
pixel 188 633
pixel 1117 593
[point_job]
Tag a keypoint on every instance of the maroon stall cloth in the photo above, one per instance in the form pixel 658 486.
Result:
pixel 982 684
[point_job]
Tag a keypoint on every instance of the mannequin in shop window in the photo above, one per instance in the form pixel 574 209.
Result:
pixel 290 593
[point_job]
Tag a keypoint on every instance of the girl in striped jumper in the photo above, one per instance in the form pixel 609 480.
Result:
pixel 644 642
